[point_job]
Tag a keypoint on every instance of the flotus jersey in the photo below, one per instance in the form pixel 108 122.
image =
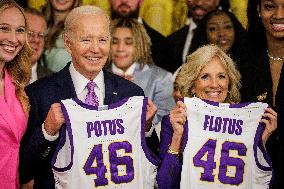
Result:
pixel 224 148
pixel 104 147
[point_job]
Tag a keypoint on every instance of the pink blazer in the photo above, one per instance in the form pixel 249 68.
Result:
pixel 13 123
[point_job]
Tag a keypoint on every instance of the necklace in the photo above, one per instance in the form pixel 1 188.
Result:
pixel 274 58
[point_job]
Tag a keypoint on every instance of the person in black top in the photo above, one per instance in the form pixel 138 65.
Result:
pixel 263 75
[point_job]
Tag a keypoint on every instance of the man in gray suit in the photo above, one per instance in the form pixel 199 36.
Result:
pixel 131 59
pixel 36 34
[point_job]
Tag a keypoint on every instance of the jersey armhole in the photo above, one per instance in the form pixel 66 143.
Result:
pixel 148 153
pixel 259 150
pixel 65 129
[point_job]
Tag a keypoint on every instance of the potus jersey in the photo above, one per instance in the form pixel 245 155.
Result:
pixel 224 147
pixel 104 147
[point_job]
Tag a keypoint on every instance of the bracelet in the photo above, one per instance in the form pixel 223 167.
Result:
pixel 170 151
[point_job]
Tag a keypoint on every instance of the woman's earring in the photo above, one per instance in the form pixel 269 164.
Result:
pixel 193 95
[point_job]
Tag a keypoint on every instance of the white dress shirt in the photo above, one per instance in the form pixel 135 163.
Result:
pixel 80 83
pixel 119 71
pixel 192 26
pixel 34 73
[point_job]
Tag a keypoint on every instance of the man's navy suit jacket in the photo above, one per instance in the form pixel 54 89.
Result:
pixel 35 151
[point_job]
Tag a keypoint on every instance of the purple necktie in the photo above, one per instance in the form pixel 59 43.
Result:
pixel 91 97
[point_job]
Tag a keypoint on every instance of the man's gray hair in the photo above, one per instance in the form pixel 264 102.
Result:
pixel 81 11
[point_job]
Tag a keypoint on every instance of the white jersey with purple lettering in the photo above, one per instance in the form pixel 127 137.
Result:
pixel 223 147
pixel 104 147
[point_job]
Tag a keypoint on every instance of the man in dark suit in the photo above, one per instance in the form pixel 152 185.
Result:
pixel 130 8
pixel 89 46
pixel 36 34
pixel 180 41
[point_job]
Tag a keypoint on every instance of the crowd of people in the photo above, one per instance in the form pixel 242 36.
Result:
pixel 96 100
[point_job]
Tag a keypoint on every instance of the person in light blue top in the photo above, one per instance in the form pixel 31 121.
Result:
pixel 131 58
pixel 55 55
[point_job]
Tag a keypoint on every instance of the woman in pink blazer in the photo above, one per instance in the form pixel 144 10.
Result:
pixel 15 71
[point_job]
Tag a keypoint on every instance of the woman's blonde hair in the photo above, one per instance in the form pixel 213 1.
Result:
pixel 142 41
pixel 20 67
pixel 195 63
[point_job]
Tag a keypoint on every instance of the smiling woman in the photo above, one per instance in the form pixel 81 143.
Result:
pixel 15 71
pixel 220 30
pixel 223 29
pixel 209 74
pixel 266 34
pixel 14 26
pixel 212 75
pixel 199 76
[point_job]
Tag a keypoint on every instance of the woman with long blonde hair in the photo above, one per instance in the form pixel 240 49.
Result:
pixel 15 72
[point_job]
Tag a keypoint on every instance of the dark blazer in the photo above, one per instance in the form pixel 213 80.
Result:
pixel 260 82
pixel 257 82
pixel 159 48
pixel 176 43
pixel 42 71
pixel 35 151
